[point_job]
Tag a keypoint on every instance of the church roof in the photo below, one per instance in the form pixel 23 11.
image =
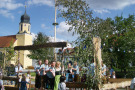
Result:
pixel 25 18
pixel 5 41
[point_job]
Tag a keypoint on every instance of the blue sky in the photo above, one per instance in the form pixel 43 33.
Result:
pixel 41 13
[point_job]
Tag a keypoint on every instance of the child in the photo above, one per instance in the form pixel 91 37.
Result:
pixel 28 79
pixel 113 74
pixel 28 76
pixel 23 83
pixel 62 85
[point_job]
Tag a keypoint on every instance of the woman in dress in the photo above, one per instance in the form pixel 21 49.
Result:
pixel 57 75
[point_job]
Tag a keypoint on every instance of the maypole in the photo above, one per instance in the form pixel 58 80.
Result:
pixel 55 23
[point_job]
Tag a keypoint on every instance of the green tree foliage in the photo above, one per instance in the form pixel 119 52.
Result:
pixel 43 53
pixel 10 53
pixel 117 34
pixel 79 16
pixel 121 44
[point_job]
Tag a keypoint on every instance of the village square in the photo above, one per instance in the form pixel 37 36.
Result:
pixel 67 45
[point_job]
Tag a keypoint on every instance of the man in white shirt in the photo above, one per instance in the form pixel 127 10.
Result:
pixel 38 77
pixel 43 70
pixel 18 72
pixel 75 70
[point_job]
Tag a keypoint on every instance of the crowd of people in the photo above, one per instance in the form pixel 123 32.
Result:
pixel 49 75
pixel 52 75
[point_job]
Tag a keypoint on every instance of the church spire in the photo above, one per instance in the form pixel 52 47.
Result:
pixel 25 23
pixel 25 7
pixel 25 18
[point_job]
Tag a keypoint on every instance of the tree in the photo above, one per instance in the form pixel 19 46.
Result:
pixel 7 55
pixel 79 16
pixel 43 53
pixel 121 44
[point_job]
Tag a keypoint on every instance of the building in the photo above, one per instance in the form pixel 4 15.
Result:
pixel 22 38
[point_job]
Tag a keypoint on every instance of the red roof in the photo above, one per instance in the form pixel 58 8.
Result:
pixel 5 41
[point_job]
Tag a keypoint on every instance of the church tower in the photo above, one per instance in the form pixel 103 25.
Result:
pixel 24 38
pixel 24 26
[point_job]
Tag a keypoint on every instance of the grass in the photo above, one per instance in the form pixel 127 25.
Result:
pixel 33 74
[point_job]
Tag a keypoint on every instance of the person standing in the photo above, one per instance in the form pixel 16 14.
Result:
pixel 44 69
pixel 69 74
pixel 75 70
pixel 57 75
pixel 91 68
pixel 111 71
pixel 38 77
pixel 51 75
pixel 18 72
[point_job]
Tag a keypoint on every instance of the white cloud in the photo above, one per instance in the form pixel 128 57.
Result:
pixel 6 6
pixel 102 11
pixel 6 13
pixel 34 36
pixel 101 5
pixel 57 39
pixel 41 2
pixel 62 31
pixel 9 4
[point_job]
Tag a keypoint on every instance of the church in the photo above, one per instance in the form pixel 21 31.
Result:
pixel 22 38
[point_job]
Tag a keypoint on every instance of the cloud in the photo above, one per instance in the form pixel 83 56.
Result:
pixel 101 5
pixel 41 2
pixel 10 4
pixel 62 31
pixel 6 6
pixel 102 11
pixel 34 36
pixel 6 13
pixel 57 39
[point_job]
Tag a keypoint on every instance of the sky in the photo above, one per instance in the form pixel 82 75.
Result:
pixel 41 14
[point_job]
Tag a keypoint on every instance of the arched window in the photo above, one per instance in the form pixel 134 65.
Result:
pixel 21 27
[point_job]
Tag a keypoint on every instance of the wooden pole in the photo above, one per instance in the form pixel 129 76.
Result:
pixel 55 23
pixel 45 45
pixel 97 57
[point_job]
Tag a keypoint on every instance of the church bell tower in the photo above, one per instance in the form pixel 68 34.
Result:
pixel 24 38
pixel 24 25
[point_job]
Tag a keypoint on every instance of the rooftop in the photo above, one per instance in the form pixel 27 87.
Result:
pixel 5 41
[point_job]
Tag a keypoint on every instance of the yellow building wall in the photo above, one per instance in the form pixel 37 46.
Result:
pixel 23 40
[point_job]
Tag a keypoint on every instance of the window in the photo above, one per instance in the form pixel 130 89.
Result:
pixel 21 27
